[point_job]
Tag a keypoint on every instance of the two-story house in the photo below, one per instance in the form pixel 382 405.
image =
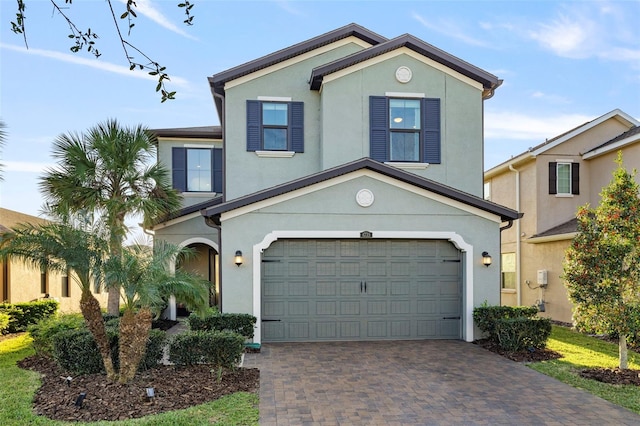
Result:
pixel 342 196
pixel 548 183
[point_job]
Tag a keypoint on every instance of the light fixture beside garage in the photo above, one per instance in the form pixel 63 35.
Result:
pixel 238 260
pixel 486 259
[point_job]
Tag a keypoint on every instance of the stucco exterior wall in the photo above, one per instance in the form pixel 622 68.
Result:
pixel 245 171
pixel 345 117
pixel 310 212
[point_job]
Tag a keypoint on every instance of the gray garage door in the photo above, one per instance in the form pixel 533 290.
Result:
pixel 365 289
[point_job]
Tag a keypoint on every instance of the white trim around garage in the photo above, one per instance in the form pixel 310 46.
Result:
pixel 456 239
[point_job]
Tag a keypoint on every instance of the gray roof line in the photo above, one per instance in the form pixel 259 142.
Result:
pixel 631 132
pixel 488 80
pixel 206 132
pixel 190 209
pixel 505 213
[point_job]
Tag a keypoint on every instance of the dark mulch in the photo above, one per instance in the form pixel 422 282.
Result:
pixel 533 355
pixel 612 376
pixel 175 388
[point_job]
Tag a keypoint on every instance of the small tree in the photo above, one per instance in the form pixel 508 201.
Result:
pixel 602 265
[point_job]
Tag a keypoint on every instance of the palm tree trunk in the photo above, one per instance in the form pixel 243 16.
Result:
pixel 134 333
pixel 92 314
pixel 622 351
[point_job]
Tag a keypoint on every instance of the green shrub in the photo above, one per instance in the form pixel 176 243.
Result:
pixel 21 315
pixel 43 331
pixel 242 324
pixel 4 323
pixel 219 348
pixel 485 316
pixel 77 352
pixel 520 333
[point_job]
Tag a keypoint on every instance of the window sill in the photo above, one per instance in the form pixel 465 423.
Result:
pixel 407 165
pixel 564 195
pixel 199 194
pixel 275 154
pixel 508 290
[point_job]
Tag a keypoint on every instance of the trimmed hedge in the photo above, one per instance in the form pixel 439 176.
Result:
pixel 242 324
pixel 21 315
pixel 76 350
pixel 520 333
pixel 43 331
pixel 514 328
pixel 219 348
pixel 485 317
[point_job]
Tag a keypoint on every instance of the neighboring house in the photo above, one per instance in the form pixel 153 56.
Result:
pixel 342 197
pixel 547 184
pixel 20 282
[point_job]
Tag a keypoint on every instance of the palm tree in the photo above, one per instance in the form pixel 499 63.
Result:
pixel 78 253
pixel 147 280
pixel 110 170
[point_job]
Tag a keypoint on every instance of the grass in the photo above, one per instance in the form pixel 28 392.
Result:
pixel 580 351
pixel 18 386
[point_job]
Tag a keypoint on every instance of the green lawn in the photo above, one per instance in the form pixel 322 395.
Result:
pixel 18 386
pixel 581 351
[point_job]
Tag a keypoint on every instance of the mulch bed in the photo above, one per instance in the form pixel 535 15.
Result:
pixel 175 388
pixel 534 355
pixel 612 376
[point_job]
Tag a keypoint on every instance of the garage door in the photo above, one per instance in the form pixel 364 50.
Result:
pixel 314 290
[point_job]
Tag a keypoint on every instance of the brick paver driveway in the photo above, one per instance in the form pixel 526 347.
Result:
pixel 433 382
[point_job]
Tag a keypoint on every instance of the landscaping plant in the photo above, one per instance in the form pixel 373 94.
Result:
pixel 602 265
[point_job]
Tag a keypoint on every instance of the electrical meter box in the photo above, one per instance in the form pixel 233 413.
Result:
pixel 542 277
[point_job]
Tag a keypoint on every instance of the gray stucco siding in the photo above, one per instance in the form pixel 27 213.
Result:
pixel 246 172
pixel 345 118
pixel 188 230
pixel 334 209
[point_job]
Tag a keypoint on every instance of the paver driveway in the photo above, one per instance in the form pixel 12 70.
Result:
pixel 430 382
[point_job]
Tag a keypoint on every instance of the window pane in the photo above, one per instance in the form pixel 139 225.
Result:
pixel 404 114
pixel 274 114
pixel 199 170
pixel 564 178
pixel 405 146
pixel 508 270
pixel 275 139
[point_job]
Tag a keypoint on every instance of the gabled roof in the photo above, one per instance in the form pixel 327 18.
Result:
pixel 186 211
pixel 630 136
pixel 489 81
pixel 618 114
pixel 505 213
pixel 202 132
pixel 217 81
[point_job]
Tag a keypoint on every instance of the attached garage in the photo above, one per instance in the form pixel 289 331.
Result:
pixel 361 289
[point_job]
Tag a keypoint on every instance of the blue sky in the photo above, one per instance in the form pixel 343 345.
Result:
pixel 563 63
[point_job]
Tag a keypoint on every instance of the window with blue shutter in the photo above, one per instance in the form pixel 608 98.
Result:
pixel 197 169
pixel 275 126
pixel 404 129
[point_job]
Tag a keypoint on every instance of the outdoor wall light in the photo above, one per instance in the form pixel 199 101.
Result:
pixel 238 259
pixel 486 259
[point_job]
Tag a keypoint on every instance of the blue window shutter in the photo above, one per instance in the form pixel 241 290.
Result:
pixel 254 119
pixel 179 168
pixel 431 131
pixel 216 169
pixel 575 178
pixel 553 177
pixel 296 125
pixel 379 128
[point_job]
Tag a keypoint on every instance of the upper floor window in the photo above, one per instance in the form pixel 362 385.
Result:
pixel 564 178
pixel 404 130
pixel 275 126
pixel 197 169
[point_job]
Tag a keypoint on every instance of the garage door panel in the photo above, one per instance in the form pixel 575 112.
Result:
pixel 360 289
pixel 326 288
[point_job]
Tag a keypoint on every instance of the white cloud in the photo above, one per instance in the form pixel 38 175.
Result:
pixel 287 6
pixel 93 63
pixel 451 29
pixel 146 8
pixel 25 166
pixel 566 36
pixel 507 125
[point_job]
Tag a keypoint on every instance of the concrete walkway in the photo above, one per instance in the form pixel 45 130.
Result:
pixel 415 383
